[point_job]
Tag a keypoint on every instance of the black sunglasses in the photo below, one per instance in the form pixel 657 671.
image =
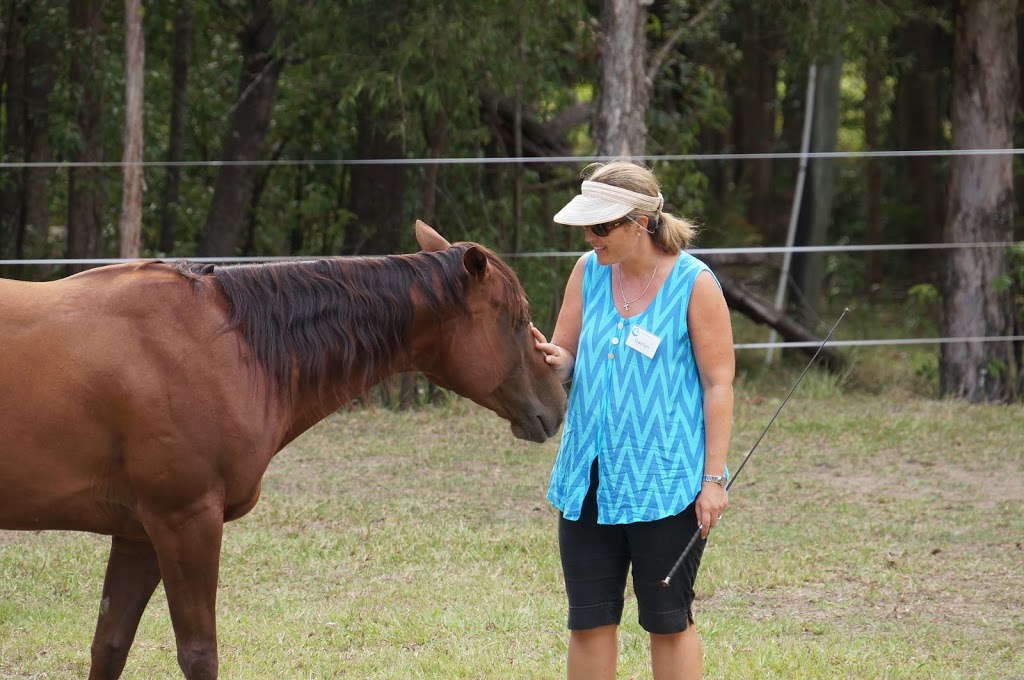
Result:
pixel 603 229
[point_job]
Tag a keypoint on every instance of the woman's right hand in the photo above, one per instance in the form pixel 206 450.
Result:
pixel 556 357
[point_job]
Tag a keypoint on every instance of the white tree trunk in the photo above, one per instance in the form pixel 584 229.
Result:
pixel 981 202
pixel 134 65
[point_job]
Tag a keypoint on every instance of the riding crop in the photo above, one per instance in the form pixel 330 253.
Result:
pixel 686 551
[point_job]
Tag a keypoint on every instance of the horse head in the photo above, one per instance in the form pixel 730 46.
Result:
pixel 486 351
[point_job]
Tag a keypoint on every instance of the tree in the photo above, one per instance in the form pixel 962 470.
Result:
pixel 86 195
pixel 179 111
pixel 755 112
pixel 29 67
pixel 921 51
pixel 134 68
pixel 377 190
pixel 624 92
pixel 976 301
pixel 244 140
pixel 14 138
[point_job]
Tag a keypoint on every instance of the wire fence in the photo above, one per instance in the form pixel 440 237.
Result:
pixel 770 250
pixel 527 160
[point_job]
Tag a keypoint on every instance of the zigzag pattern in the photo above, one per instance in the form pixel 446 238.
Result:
pixel 641 417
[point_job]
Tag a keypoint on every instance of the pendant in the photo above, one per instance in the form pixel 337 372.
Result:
pixel 625 305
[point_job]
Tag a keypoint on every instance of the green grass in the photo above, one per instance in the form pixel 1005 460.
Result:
pixel 870 536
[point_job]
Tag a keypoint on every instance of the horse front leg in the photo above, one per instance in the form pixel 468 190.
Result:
pixel 131 578
pixel 188 550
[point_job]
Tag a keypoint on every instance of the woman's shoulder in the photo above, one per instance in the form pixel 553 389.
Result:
pixel 581 265
pixel 688 261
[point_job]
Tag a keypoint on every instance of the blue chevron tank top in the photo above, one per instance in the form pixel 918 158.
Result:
pixel 641 417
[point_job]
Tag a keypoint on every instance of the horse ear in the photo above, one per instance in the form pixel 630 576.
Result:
pixel 429 240
pixel 475 261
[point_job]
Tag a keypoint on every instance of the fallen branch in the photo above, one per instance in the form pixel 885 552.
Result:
pixel 761 311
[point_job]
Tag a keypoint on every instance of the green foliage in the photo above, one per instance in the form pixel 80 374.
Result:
pixel 926 366
pixel 1016 257
pixel 995 368
pixel 925 296
pixel 412 65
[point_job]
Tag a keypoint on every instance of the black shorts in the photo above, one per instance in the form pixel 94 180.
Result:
pixel 596 558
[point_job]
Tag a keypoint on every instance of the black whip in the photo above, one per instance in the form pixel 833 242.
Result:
pixel 686 551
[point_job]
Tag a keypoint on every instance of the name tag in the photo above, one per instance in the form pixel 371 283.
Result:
pixel 643 341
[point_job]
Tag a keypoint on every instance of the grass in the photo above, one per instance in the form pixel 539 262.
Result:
pixel 870 536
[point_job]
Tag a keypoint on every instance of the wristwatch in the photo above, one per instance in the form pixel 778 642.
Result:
pixel 721 480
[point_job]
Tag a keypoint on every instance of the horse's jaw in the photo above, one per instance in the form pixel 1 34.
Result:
pixel 530 419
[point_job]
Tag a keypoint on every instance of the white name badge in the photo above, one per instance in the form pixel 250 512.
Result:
pixel 643 341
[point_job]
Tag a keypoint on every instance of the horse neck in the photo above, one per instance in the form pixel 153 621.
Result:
pixel 349 376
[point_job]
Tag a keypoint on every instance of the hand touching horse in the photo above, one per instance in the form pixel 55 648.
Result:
pixel 145 401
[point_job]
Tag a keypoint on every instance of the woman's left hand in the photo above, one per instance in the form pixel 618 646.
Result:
pixel 711 503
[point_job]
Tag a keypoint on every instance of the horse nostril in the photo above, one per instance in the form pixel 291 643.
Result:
pixel 549 425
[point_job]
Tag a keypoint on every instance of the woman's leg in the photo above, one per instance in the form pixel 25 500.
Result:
pixel 592 653
pixel 666 613
pixel 677 656
pixel 595 563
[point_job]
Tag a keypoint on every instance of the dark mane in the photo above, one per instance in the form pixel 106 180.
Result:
pixel 343 318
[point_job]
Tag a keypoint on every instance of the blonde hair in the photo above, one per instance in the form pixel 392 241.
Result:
pixel 670 233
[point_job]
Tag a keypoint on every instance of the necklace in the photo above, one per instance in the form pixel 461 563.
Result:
pixel 626 303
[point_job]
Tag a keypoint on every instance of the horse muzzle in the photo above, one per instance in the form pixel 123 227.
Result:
pixel 540 426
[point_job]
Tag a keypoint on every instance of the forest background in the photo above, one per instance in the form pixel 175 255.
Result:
pixel 247 128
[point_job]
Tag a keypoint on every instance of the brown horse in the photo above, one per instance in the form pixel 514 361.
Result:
pixel 145 401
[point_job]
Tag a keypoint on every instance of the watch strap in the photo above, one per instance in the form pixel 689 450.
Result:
pixel 715 479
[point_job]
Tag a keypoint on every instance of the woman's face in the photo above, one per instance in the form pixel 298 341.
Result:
pixel 611 242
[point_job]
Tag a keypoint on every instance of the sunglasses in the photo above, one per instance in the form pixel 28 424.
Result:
pixel 603 229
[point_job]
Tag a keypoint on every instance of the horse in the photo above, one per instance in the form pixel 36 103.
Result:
pixel 145 400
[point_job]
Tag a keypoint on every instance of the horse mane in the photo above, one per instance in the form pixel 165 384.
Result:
pixel 339 317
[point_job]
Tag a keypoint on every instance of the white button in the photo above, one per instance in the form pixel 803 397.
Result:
pixel 620 324
pixel 615 341
pixel 610 355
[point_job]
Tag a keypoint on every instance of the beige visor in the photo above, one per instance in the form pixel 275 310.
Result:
pixel 599 203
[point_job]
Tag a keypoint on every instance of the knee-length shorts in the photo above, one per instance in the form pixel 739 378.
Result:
pixel 597 557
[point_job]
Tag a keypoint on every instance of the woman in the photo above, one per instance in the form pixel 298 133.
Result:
pixel 645 336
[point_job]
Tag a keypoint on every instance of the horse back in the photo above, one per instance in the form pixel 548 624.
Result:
pixel 110 374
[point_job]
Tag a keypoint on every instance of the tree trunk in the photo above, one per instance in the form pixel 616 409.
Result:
pixel 32 59
pixel 6 12
pixel 244 140
pixel 755 122
pixel 435 133
pixel 873 216
pixel 14 142
pixel 376 190
pixel 981 202
pixel 625 92
pixel 918 120
pixel 134 78
pixel 85 185
pixel 816 207
pixel 716 139
pixel 179 112
pixel 45 60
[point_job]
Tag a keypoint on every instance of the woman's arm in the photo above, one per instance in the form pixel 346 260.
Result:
pixel 560 353
pixel 711 335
